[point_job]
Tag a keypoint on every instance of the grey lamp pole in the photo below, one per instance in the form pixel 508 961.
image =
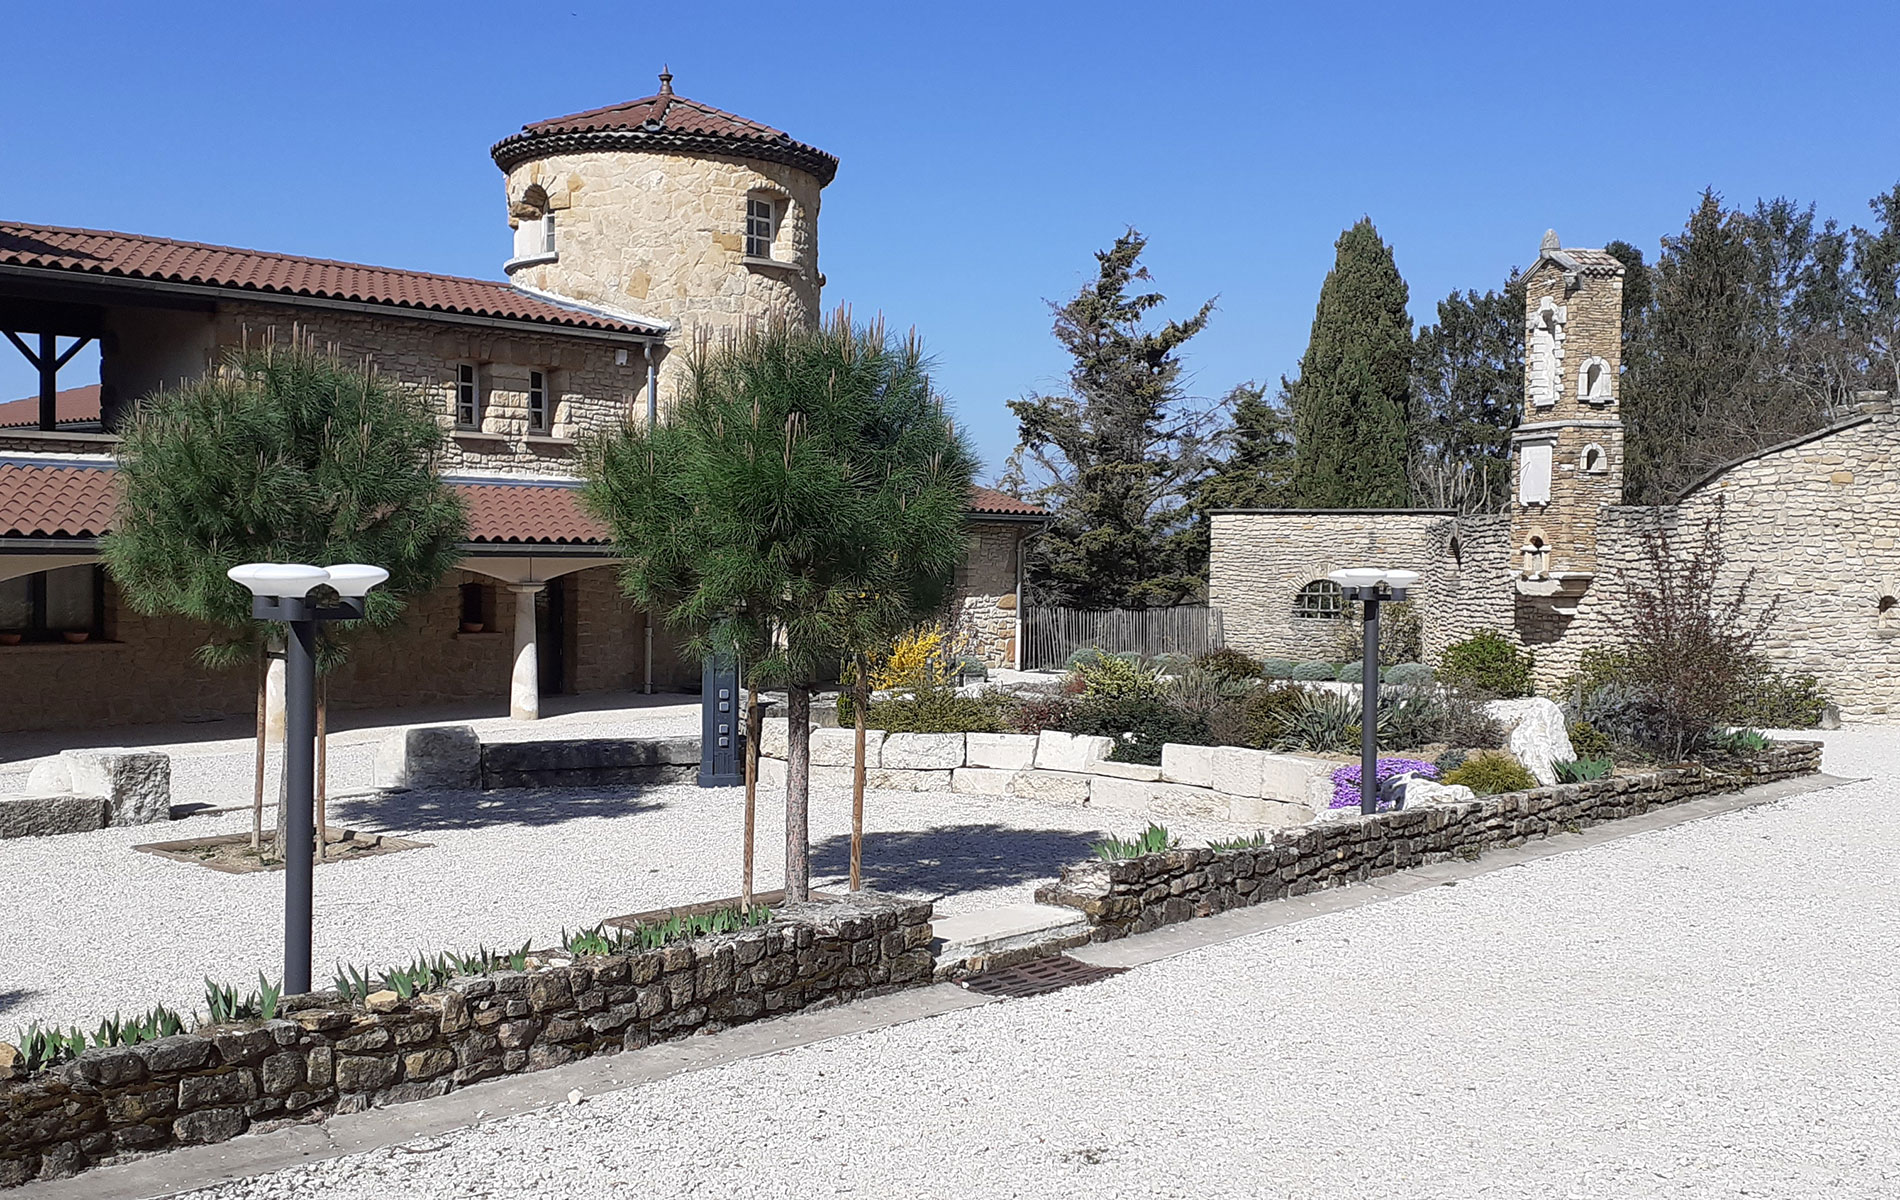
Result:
pixel 1371 587
pixel 281 592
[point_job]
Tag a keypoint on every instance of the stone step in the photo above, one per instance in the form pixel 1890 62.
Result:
pixel 999 930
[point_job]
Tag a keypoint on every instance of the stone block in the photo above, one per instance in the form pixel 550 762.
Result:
pixel 39 816
pixel 1056 787
pixel 774 737
pixel 447 757
pixel 923 751
pixel 771 774
pixel 838 747
pixel 1139 772
pixel 1236 771
pixel 1274 814
pixel 893 779
pixel 1296 779
pixel 50 777
pixel 981 781
pixel 589 762
pixel 135 784
pixel 1004 751
pixel 1539 737
pixel 1070 751
pixel 1192 765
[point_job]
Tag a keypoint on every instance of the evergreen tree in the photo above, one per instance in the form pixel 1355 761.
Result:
pixel 1351 401
pixel 1467 396
pixel 1257 471
pixel 807 494
pixel 1877 278
pixel 1120 457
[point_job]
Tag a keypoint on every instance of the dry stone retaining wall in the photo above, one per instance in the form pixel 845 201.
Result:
pixel 1140 894
pixel 326 1057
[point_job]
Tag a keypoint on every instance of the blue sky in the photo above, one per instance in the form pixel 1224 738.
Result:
pixel 987 150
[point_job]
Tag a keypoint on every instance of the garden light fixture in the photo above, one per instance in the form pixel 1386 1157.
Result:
pixel 281 592
pixel 1371 586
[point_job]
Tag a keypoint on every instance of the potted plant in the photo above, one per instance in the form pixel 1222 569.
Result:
pixel 9 637
pixel 76 636
pixel 472 627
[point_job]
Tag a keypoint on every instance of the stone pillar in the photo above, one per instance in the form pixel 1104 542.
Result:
pixel 274 700
pixel 524 689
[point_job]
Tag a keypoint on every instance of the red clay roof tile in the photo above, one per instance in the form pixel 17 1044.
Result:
pixel 71 405
pixel 73 502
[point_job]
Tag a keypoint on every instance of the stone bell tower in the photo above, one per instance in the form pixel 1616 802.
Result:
pixel 1567 454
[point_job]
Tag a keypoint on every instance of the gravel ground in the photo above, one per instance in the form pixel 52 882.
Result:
pixel 1707 1010
pixel 90 927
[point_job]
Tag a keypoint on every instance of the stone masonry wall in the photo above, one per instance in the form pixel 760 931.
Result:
pixel 1260 560
pixel 1140 894
pixel 983 600
pixel 327 1057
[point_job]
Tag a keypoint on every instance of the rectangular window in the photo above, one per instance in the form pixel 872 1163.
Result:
pixel 47 605
pixel 1533 479
pixel 468 396
pixel 547 234
pixel 758 227
pixel 538 402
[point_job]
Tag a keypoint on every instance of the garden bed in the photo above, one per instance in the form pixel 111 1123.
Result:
pixel 232 853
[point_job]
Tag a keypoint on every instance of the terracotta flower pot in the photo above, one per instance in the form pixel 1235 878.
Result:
pixel 75 636
pixel 472 627
pixel 9 638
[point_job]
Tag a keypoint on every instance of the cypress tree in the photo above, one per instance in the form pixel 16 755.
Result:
pixel 1467 397
pixel 1351 401
pixel 1258 469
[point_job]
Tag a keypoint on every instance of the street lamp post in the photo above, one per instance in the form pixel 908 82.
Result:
pixel 281 592
pixel 1371 586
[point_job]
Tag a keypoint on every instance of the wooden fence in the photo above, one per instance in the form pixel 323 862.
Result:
pixel 1051 635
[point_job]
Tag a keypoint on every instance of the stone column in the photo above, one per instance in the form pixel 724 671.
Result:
pixel 524 689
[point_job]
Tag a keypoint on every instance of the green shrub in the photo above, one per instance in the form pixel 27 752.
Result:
pixel 1315 670
pixel 1252 841
pixel 1263 714
pixel 1152 840
pixel 1488 664
pixel 1408 674
pixel 1583 770
pixel 1740 743
pixel 973 668
pixel 1588 741
pixel 1401 633
pixel 1350 672
pixel 934 710
pixel 1228 664
pixel 1115 675
pixel 1034 712
pixel 1450 761
pixel 1140 725
pixel 1322 722
pixel 1410 718
pixel 1492 773
pixel 1775 700
pixel 1277 668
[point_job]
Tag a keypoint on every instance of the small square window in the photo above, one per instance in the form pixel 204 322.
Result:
pixel 468 396
pixel 759 220
pixel 538 409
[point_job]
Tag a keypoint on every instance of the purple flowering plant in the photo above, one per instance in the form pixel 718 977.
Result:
pixel 1346 779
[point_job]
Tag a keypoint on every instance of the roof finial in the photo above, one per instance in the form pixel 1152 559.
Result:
pixel 1550 236
pixel 666 80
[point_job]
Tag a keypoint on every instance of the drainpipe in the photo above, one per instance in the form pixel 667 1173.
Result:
pixel 653 418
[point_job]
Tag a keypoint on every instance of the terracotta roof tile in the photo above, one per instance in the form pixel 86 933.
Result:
pixel 132 256
pixel 989 500
pixel 71 405
pixel 37 501
pixel 663 121
pixel 538 513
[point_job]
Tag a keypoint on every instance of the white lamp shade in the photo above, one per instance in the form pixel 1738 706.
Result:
pixel 292 580
pixel 352 580
pixel 1400 580
pixel 1358 577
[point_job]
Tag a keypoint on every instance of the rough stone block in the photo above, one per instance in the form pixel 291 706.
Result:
pixel 1057 787
pixel 775 737
pixel 838 747
pixel 771 773
pixel 136 784
pixel 1004 751
pixel 1159 799
pixel 50 777
pixel 1539 737
pixel 590 762
pixel 1070 751
pixel 981 781
pixel 1275 814
pixel 432 757
pixel 1296 779
pixel 905 780
pixel 1139 772
pixel 923 751
pixel 1237 771
pixel 1192 765
pixel 39 816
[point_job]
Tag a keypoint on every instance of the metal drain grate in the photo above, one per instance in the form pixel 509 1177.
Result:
pixel 1038 978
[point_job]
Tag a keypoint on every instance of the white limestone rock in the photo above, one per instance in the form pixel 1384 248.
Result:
pixel 1539 736
pixel 923 752
pixel 774 737
pixel 1191 765
pixel 1419 791
pixel 981 781
pixel 838 747
pixel 1057 787
pixel 1070 751
pixel 1139 772
pixel 1296 779
pixel 52 777
pixel 907 780
pixel 136 784
pixel 1004 751
pixel 1237 771
pixel 1273 814
pixel 432 757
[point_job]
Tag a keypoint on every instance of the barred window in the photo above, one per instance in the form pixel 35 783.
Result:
pixel 468 396
pixel 537 401
pixel 1321 599
pixel 758 227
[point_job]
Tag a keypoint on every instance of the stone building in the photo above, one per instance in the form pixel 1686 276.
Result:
pixel 1813 521
pixel 636 229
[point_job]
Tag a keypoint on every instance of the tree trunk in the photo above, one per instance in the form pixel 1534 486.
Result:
pixel 754 727
pixel 323 746
pixel 860 700
pixel 257 788
pixel 798 794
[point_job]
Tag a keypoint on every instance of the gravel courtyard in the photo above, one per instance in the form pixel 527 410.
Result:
pixel 1707 1010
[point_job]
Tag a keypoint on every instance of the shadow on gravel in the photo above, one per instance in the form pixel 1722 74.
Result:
pixel 955 858
pixel 417 812
pixel 12 998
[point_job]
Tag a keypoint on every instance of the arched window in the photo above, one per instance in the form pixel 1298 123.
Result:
pixel 1321 600
pixel 1593 381
pixel 534 226
pixel 1595 460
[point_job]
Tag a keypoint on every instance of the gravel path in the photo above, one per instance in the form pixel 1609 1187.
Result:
pixel 89 926
pixel 1708 1010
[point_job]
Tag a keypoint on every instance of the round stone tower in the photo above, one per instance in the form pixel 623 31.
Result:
pixel 667 209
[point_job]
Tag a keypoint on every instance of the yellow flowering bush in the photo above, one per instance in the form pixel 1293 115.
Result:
pixel 918 659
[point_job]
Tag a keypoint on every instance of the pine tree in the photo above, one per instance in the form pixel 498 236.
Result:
pixel 1120 457
pixel 807 495
pixel 1877 277
pixel 1351 401
pixel 1467 397
pixel 1257 471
